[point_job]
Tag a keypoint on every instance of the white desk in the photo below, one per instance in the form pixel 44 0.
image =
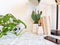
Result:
pixel 26 39
pixel 57 37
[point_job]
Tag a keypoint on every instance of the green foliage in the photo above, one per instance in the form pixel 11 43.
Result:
pixel 9 22
pixel 1 19
pixel 36 16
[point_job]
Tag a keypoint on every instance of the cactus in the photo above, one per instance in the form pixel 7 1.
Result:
pixel 36 16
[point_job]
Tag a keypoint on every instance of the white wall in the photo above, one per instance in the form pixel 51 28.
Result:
pixel 22 9
pixel 59 18
pixel 53 24
pixel 53 17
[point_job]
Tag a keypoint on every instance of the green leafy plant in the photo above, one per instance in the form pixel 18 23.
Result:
pixel 36 16
pixel 8 21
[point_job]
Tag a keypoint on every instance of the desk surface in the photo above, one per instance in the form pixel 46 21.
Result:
pixel 57 37
pixel 26 39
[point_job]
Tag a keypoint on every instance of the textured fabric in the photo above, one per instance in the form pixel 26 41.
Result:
pixel 45 22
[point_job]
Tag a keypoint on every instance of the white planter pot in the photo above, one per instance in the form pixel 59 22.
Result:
pixel 40 30
pixel 35 28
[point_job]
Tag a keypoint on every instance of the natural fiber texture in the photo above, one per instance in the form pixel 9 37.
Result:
pixel 58 2
pixel 45 22
pixel 34 2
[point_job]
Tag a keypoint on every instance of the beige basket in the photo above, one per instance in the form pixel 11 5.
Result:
pixel 45 22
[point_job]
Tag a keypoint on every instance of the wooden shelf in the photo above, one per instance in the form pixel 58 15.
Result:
pixel 52 39
pixel 53 32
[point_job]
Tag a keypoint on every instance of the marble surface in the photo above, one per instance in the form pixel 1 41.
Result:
pixel 57 37
pixel 25 39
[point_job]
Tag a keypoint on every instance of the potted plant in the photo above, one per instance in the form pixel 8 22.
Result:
pixel 8 23
pixel 36 15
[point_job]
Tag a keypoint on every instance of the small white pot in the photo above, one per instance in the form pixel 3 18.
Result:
pixel 40 30
pixel 35 28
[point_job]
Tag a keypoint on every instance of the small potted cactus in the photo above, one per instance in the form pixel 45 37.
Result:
pixel 36 15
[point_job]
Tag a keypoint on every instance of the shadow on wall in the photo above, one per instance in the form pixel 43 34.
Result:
pixel 23 12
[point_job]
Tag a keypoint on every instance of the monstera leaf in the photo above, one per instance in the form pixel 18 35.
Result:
pixel 6 18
